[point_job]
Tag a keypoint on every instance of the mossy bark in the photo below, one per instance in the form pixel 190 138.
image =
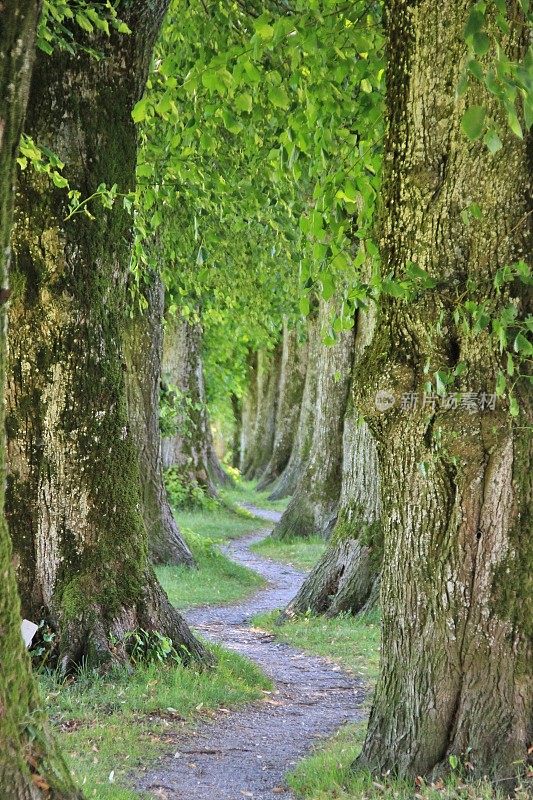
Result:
pixel 313 508
pixel 290 390
pixel 345 579
pixel 31 767
pixel 288 480
pixel 187 451
pixel 457 662
pixel 265 424
pixel 144 342
pixel 236 407
pixel 73 490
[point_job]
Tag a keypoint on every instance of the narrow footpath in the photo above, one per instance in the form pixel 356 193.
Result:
pixel 247 753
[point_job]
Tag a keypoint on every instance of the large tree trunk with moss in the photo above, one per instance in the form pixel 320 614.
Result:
pixel 313 508
pixel 301 448
pixel 31 768
pixel 188 449
pixel 457 662
pixel 144 343
pixel 249 414
pixel 291 385
pixel 265 425
pixel 74 490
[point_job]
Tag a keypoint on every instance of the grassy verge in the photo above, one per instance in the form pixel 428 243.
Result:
pixel 300 553
pixel 328 774
pixel 245 492
pixel 353 642
pixel 216 581
pixel 108 726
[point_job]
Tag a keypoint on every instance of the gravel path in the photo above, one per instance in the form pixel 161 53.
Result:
pixel 247 753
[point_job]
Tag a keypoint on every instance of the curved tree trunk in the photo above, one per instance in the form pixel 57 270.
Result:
pixel 291 385
pixel 188 450
pixel 31 768
pixel 144 341
pixel 347 576
pixel 301 448
pixel 216 471
pixel 265 426
pixel 457 662
pixel 313 508
pixel 249 414
pixel 74 491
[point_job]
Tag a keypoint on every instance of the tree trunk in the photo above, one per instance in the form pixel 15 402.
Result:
pixel 216 471
pixel 187 451
pixel 313 508
pixel 144 343
pixel 236 407
pixel 291 384
pixel 457 662
pixel 345 578
pixel 74 491
pixel 249 414
pixel 288 480
pixel 266 414
pixel 31 768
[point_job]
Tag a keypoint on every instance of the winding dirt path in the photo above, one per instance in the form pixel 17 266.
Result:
pixel 247 752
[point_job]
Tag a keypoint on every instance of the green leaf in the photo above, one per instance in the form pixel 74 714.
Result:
pixel 263 29
pixel 59 181
pixel 366 86
pixel 454 761
pixel 501 383
pixel 140 110
pixel 514 124
pixel 514 410
pixel 523 346
pixel 492 141
pixel 84 23
pixel 278 97
pixel 473 122
pixel 243 102
pixel 304 305
pixel 480 43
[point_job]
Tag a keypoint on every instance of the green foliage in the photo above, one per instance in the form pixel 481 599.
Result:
pixel 186 494
pixel 62 22
pixel 489 64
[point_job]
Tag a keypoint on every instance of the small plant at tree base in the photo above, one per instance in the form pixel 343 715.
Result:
pixel 147 647
pixel 187 495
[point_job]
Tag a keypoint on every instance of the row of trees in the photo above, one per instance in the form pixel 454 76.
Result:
pixel 257 167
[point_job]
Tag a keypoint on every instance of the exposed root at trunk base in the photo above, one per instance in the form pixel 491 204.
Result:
pixel 101 641
pixel 344 580
pixel 166 544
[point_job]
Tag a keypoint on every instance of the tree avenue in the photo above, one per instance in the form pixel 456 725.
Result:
pixel 267 253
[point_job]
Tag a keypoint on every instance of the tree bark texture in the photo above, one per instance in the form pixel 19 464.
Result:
pixel 237 408
pixel 74 490
pixel 265 425
pixel 290 390
pixel 456 675
pixel 249 414
pixel 144 341
pixel 301 448
pixel 31 767
pixel 187 451
pixel 313 508
pixel 346 578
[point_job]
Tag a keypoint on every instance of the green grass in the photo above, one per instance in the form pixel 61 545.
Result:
pixel 245 492
pixel 328 774
pixel 352 642
pixel 220 524
pixel 216 581
pixel 300 553
pixel 109 726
